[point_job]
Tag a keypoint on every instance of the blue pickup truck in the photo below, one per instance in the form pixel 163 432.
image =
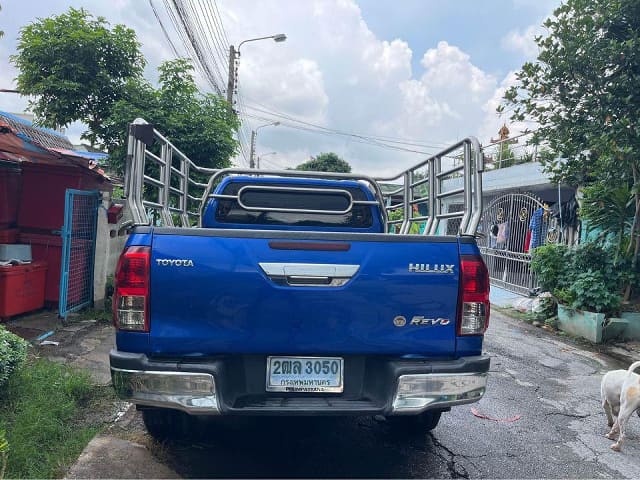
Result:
pixel 283 293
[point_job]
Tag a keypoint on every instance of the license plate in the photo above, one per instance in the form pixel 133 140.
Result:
pixel 305 374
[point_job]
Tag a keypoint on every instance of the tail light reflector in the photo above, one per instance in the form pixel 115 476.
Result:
pixel 131 297
pixel 473 313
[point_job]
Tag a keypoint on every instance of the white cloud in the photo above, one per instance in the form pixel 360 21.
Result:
pixel 493 120
pixel 332 71
pixel 523 41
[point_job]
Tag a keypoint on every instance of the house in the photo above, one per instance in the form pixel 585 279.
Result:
pixel 54 199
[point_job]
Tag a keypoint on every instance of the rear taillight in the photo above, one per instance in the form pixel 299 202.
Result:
pixel 473 313
pixel 131 297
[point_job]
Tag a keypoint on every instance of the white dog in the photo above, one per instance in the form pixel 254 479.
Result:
pixel 620 391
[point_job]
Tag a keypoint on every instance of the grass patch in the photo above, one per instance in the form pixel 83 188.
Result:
pixel 41 409
pixel 513 313
pixel 102 316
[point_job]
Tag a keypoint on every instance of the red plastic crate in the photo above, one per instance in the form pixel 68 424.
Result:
pixel 9 193
pixel 49 248
pixel 22 288
pixel 9 235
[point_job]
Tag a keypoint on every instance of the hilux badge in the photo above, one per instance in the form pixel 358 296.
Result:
pixel 428 268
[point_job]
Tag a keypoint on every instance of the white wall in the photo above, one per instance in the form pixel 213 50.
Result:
pixel 109 244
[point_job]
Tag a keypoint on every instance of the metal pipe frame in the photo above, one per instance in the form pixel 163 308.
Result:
pixel 218 176
pixel 472 168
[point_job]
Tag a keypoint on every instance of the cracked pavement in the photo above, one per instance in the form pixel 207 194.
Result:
pixel 552 383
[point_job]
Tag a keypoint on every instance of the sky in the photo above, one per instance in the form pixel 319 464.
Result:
pixel 415 75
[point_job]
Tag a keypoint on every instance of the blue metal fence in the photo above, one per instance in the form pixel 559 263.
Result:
pixel 78 250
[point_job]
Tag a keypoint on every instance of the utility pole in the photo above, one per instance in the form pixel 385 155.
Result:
pixel 231 82
pixel 252 163
pixel 234 54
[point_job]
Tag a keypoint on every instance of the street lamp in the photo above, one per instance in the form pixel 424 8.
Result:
pixel 262 156
pixel 252 163
pixel 280 37
pixel 234 55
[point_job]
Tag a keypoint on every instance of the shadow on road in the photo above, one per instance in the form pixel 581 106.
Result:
pixel 304 447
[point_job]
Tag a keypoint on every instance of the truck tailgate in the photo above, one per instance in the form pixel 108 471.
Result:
pixel 217 298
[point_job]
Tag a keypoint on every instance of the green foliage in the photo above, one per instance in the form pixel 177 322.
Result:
pixel 397 214
pixel 564 296
pixel 591 291
pixel 39 409
pixel 552 322
pixel 200 125
pixel 13 352
pixel 1 35
pixel 326 162
pixel 4 452
pixel 585 277
pixel 76 66
pixel 582 90
pixel 505 156
pixel 549 264
pixel 609 209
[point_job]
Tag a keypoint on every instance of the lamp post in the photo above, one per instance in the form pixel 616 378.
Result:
pixel 234 54
pixel 262 156
pixel 254 133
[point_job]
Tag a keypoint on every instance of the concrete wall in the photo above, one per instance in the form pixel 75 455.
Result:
pixel 109 243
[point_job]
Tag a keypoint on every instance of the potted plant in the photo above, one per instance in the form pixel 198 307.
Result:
pixel 587 284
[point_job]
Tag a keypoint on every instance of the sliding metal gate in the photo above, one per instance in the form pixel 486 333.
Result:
pixel 504 243
pixel 78 250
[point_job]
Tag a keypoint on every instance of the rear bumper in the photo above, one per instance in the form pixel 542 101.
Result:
pixel 235 385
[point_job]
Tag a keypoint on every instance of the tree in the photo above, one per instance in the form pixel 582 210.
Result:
pixel 200 125
pixel 326 162
pixel 1 32
pixel 76 67
pixel 583 93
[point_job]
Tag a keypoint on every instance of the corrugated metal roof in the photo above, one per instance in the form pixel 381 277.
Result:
pixel 42 136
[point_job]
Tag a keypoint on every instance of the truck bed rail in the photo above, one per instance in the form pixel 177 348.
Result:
pixel 164 187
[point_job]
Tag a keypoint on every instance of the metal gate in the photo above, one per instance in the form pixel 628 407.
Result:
pixel 78 250
pixel 507 240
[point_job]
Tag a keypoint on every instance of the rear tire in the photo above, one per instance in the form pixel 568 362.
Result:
pixel 415 424
pixel 167 424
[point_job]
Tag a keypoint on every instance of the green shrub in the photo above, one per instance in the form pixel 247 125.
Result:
pixel 591 292
pixel 13 351
pixel 585 277
pixel 549 263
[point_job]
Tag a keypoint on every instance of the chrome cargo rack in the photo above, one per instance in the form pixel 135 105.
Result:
pixel 448 184
pixel 164 187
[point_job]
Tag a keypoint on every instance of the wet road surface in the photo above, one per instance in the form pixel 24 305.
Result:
pixel 552 383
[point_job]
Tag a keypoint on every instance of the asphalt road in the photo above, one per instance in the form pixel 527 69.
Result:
pixel 551 383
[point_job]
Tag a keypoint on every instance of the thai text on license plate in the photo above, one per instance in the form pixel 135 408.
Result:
pixel 305 374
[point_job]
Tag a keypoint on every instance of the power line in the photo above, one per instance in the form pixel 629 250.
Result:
pixel 356 139
pixel 201 45
pixel 212 26
pixel 410 142
pixel 204 32
pixel 189 34
pixel 271 162
pixel 164 30
pixel 179 28
pixel 219 17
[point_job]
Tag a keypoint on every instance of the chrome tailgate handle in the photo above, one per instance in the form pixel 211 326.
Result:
pixel 309 274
